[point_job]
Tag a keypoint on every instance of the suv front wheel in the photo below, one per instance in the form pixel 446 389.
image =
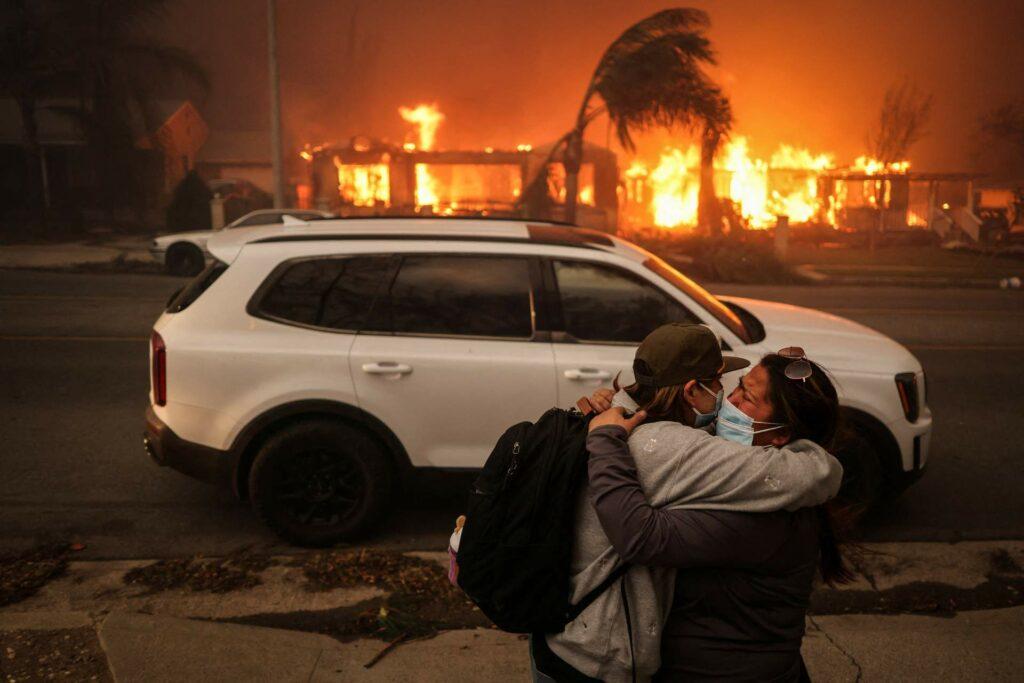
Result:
pixel 318 482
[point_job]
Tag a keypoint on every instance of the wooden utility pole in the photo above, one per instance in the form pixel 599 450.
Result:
pixel 275 106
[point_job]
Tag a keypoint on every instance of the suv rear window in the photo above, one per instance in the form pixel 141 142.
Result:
pixel 327 292
pixel 199 284
pixel 456 295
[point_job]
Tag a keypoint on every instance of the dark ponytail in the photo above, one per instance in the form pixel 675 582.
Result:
pixel 810 410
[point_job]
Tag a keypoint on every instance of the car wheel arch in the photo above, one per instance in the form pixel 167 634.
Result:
pixel 246 445
pixel 178 255
pixel 181 245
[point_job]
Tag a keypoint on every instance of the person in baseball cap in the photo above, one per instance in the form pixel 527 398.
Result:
pixel 678 369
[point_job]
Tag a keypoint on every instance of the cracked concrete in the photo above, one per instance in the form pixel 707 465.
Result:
pixel 808 647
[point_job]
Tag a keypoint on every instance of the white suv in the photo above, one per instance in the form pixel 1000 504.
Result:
pixel 311 367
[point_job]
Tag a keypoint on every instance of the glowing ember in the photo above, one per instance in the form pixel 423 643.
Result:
pixel 870 166
pixel 363 184
pixel 427 118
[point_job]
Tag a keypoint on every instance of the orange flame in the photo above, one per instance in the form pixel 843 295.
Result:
pixel 784 185
pixel 364 184
pixel 427 118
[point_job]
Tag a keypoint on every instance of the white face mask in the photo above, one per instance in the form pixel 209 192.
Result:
pixel 735 425
pixel 704 419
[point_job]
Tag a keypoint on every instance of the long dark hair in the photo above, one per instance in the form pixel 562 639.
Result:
pixel 810 410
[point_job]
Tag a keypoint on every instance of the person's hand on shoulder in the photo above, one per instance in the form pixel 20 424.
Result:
pixel 618 417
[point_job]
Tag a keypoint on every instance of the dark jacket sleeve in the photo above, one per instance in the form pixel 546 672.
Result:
pixel 676 537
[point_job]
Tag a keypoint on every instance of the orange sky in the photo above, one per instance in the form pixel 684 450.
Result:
pixel 806 73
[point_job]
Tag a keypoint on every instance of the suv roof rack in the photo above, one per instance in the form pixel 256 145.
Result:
pixel 225 246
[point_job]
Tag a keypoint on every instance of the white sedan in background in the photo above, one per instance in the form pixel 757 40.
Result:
pixel 184 253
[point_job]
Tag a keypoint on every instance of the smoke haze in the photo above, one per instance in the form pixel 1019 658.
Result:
pixel 810 74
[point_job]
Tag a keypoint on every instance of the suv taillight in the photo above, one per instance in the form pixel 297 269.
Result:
pixel 159 351
pixel 906 384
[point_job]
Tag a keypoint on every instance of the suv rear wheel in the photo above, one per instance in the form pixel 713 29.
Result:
pixel 318 482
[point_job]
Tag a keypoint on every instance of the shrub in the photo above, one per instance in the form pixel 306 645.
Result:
pixel 190 206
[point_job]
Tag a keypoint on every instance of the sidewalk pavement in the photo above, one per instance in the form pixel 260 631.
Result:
pixel 74 254
pixel 147 634
pixel 972 646
pixel 900 276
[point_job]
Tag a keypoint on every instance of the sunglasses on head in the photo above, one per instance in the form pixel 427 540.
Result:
pixel 799 367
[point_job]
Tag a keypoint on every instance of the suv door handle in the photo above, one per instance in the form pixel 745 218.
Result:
pixel 583 374
pixel 387 368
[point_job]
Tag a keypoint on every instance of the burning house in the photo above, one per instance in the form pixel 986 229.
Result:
pixel 367 177
pixel 803 187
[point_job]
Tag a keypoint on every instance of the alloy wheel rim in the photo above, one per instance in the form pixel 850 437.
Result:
pixel 320 487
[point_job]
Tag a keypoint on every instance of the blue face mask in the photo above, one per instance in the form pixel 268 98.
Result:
pixel 735 425
pixel 704 419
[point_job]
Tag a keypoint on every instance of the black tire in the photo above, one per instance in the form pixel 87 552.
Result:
pixel 318 482
pixel 858 451
pixel 184 260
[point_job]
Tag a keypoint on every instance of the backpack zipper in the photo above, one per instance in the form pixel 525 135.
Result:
pixel 515 461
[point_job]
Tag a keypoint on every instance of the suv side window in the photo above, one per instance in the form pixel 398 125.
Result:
pixel 605 304
pixel 329 292
pixel 457 295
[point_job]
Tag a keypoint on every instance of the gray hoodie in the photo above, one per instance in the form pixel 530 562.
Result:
pixel 678 466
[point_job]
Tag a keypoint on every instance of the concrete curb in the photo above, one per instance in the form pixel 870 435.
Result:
pixel 76 254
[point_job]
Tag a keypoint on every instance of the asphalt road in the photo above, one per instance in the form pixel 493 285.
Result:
pixel 73 383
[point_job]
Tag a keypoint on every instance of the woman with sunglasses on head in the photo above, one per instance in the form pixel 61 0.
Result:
pixel 744 579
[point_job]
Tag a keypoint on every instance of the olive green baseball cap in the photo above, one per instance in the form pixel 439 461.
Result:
pixel 678 352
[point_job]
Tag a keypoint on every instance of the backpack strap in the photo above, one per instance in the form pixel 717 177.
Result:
pixel 577 609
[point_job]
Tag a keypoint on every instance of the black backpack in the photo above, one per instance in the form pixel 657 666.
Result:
pixel 516 546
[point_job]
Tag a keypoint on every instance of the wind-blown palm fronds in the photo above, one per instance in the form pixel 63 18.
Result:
pixel 650 76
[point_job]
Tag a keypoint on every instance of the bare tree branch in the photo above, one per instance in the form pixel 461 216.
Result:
pixel 901 122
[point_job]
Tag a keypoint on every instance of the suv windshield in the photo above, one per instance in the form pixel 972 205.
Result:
pixel 704 299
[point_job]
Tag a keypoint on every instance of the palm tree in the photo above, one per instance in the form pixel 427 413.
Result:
pixel 651 75
pixel 95 52
pixel 709 214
